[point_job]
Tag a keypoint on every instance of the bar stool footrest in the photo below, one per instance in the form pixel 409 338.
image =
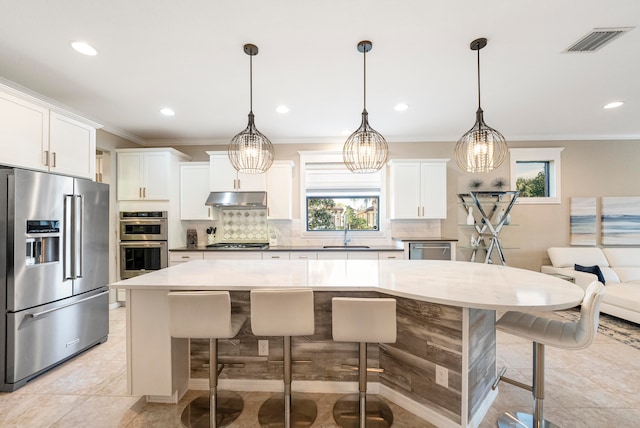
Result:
pixel 196 414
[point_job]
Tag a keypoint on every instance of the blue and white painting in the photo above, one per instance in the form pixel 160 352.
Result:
pixel 621 220
pixel 583 221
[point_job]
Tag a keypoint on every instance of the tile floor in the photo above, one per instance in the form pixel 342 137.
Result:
pixel 598 387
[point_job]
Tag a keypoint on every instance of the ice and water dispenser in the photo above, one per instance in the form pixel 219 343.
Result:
pixel 42 242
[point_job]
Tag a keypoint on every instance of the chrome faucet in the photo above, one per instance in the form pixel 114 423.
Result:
pixel 346 228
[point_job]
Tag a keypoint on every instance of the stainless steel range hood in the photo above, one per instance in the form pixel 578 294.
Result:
pixel 237 199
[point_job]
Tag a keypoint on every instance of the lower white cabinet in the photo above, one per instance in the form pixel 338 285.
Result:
pixel 230 255
pixel 276 255
pixel 177 257
pixel 391 255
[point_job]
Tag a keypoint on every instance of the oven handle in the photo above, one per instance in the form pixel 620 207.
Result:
pixel 37 314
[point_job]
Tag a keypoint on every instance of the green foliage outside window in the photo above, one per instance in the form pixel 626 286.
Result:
pixel 532 187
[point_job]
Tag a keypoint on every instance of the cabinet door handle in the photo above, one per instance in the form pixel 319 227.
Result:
pixel 53 164
pixel 46 158
pixel 422 211
pixel 303 257
pixel 208 212
pixel 418 211
pixel 144 192
pixel 186 257
pixel 238 184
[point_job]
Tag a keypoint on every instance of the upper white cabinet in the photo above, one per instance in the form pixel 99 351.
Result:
pixel 146 174
pixel 72 147
pixel 280 191
pixel 225 178
pixel 194 190
pixel 418 189
pixel 34 137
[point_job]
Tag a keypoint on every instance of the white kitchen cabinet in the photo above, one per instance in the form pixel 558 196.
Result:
pixel 225 178
pixel 418 189
pixel 280 191
pixel 24 133
pixel 32 136
pixel 332 255
pixel 304 255
pixel 177 257
pixel 194 190
pixel 391 255
pixel 233 255
pixel 146 174
pixel 72 147
pixel 276 255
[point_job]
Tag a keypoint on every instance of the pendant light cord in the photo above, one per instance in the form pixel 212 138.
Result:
pixel 251 83
pixel 365 77
pixel 479 108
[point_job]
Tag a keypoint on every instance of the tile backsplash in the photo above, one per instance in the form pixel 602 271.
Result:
pixel 245 225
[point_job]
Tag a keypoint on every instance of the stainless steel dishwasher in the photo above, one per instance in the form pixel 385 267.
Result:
pixel 429 251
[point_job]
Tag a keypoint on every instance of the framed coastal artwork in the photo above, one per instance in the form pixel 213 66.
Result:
pixel 583 221
pixel 621 220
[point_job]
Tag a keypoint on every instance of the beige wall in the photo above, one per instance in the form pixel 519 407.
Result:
pixel 589 168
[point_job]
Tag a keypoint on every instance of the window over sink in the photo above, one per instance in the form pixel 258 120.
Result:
pixel 331 213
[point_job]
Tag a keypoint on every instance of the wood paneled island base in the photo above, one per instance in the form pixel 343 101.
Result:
pixel 457 338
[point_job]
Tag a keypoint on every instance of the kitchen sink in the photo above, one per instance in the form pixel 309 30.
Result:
pixel 345 247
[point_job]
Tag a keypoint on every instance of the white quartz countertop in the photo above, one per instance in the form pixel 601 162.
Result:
pixel 462 284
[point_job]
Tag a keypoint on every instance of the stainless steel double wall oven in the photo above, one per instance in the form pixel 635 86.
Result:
pixel 143 242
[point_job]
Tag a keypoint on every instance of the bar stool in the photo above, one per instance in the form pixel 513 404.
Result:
pixel 284 312
pixel 363 320
pixel 543 331
pixel 207 315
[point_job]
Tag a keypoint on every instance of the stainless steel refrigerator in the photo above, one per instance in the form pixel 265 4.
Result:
pixel 54 271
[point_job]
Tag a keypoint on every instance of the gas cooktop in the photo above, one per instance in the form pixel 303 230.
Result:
pixel 238 246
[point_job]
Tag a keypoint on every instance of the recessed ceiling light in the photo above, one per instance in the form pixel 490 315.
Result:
pixel 401 107
pixel 84 48
pixel 614 104
pixel 282 109
pixel 167 112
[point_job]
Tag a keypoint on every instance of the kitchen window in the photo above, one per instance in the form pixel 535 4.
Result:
pixel 535 173
pixel 334 199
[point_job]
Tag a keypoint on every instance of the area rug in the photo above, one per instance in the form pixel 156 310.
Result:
pixel 621 330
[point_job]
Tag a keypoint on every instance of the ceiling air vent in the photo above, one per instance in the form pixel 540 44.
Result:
pixel 597 39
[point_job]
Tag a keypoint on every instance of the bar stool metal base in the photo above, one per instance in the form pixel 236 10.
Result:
pixel 521 420
pixel 346 412
pixel 303 411
pixel 229 407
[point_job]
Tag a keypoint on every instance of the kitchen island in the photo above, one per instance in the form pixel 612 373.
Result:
pixel 446 315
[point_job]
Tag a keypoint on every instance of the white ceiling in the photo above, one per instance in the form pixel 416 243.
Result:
pixel 188 55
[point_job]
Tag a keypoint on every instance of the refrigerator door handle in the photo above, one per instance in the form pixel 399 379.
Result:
pixel 78 228
pixel 67 243
pixel 38 314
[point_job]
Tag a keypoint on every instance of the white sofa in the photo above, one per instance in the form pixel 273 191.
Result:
pixel 620 268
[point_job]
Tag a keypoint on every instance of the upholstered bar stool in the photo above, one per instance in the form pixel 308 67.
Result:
pixel 543 331
pixel 363 320
pixel 207 315
pixel 286 313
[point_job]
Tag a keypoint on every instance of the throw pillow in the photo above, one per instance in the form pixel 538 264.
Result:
pixel 591 269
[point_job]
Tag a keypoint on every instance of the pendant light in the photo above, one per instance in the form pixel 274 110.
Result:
pixel 365 150
pixel 251 152
pixel 482 148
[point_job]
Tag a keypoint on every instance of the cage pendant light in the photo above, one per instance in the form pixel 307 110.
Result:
pixel 365 151
pixel 250 151
pixel 482 148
